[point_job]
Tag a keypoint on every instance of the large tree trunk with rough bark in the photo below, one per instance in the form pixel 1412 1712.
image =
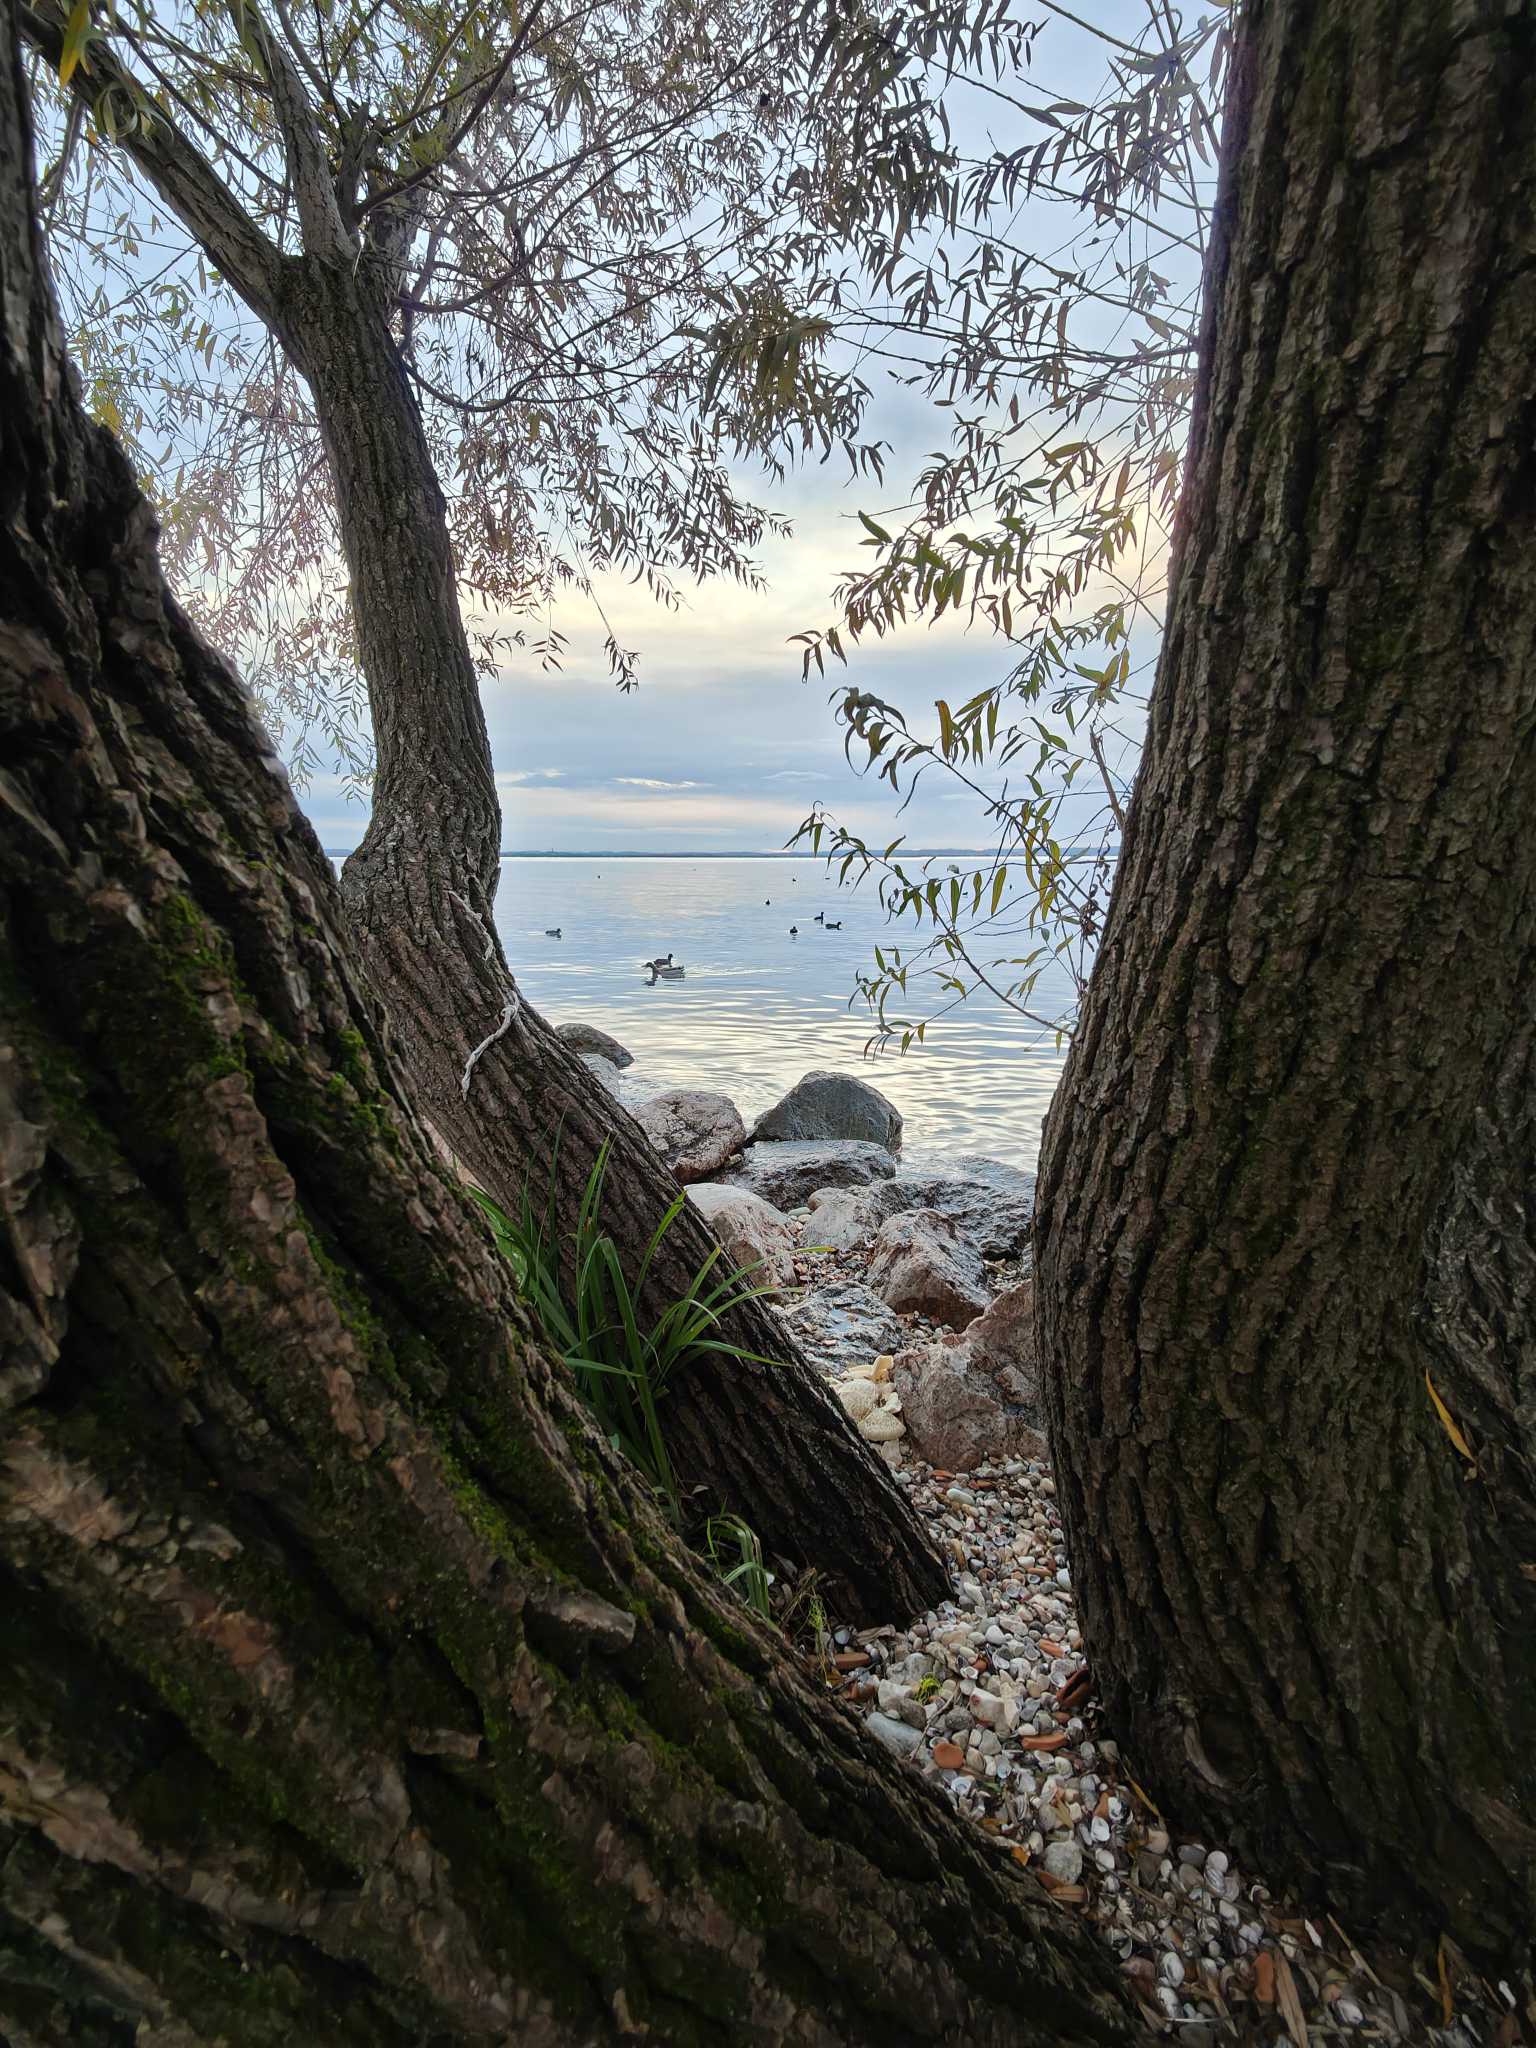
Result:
pixel 350 1689
pixel 506 1095
pixel 1286 1242
pixel 499 1088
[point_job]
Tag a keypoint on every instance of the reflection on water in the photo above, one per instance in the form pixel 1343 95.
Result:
pixel 758 1008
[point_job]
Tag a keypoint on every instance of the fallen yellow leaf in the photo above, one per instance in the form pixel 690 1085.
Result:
pixel 1450 1429
pixel 1146 1802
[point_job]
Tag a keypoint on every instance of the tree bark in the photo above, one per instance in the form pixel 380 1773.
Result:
pixel 502 1092
pixel 1287 1204
pixel 350 1689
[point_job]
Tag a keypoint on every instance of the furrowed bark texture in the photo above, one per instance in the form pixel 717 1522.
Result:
pixel 501 1090
pixel 350 1690
pixel 1291 1170
pixel 766 1441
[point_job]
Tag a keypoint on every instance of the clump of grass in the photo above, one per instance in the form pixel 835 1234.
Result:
pixel 748 1576
pixel 622 1364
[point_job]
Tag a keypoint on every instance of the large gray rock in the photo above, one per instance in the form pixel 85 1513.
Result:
pixel 695 1131
pixel 991 1204
pixel 841 1219
pixel 586 1038
pixel 786 1173
pixel 842 1325
pixel 832 1106
pixel 974 1399
pixel 922 1265
pixel 751 1230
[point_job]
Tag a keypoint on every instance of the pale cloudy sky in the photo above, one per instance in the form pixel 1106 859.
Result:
pixel 724 747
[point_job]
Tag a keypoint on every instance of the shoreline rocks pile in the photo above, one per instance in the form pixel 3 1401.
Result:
pixel 877 1259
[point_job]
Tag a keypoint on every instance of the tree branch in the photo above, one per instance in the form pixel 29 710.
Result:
pixel 173 164
pixel 324 231
pixel 1109 787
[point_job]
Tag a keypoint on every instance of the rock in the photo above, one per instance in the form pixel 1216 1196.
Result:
pixel 832 1106
pixel 786 1173
pixel 949 1756
pixel 991 1205
pixel 841 1219
pixel 695 1131
pixel 846 1324
pixel 913 1668
pixel 881 1426
pixel 974 1399
pixel 586 1038
pixel 921 1264
pixel 859 1397
pixel 751 1230
pixel 896 1735
pixel 603 1070
pixel 1064 1860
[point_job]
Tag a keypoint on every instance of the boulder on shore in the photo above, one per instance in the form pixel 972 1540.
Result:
pixel 695 1131
pixel 832 1106
pixel 841 1219
pixel 751 1230
pixel 992 1205
pixel 785 1172
pixel 974 1399
pixel 921 1264
pixel 842 1326
pixel 586 1038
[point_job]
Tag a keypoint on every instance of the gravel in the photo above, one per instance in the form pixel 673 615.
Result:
pixel 989 1697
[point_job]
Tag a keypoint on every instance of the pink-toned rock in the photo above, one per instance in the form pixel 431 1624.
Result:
pixel 920 1263
pixel 974 1399
pixel 751 1230
pixel 695 1131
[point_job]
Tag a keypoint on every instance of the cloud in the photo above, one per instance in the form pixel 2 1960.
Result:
pixel 508 776
pixel 652 782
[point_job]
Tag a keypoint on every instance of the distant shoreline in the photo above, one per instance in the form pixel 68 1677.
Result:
pixel 639 853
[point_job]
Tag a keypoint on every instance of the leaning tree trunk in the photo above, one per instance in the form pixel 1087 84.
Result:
pixel 498 1087
pixel 1286 1239
pixel 509 1098
pixel 350 1689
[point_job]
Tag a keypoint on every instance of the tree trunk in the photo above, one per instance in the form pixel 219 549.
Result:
pixel 350 1689
pixel 1287 1205
pixel 509 1098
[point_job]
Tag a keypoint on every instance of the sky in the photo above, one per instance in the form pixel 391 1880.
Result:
pixel 724 747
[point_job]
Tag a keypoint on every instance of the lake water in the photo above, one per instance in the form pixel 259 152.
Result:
pixel 757 1009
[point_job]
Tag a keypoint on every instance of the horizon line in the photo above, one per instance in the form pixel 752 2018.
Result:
pixel 679 853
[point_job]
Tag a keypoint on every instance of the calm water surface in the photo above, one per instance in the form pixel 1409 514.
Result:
pixel 758 1009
